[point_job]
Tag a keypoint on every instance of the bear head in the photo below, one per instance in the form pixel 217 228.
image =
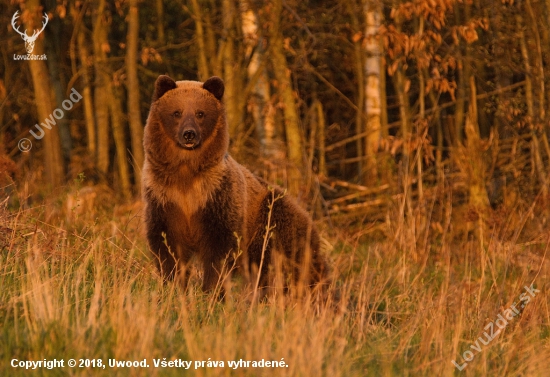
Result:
pixel 187 121
pixel 189 111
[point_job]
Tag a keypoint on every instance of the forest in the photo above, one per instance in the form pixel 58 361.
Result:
pixel 414 132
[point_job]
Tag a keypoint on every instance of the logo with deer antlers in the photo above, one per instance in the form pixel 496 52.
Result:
pixel 29 40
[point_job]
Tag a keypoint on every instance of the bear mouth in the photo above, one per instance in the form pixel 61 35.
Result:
pixel 189 146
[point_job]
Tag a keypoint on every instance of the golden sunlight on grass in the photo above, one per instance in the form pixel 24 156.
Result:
pixel 82 286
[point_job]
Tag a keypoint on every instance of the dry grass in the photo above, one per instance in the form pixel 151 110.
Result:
pixel 79 284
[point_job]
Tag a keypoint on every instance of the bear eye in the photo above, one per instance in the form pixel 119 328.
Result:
pixel 177 114
pixel 199 114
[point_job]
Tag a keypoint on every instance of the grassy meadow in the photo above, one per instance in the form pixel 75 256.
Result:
pixel 410 294
pixel 416 132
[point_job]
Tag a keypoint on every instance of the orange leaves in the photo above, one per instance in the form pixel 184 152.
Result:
pixel 451 62
pixel 420 141
pixel 470 35
pixel 61 11
pixel 438 82
pixel 400 43
pixel 404 37
pixel 433 11
pixel 105 47
pixel 150 54
pixel 468 32
pixel 393 67
pixel 421 34
pixel 434 37
pixel 441 85
pixel 357 37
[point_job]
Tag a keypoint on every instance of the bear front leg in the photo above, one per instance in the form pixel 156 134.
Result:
pixel 218 258
pixel 167 242
pixel 157 237
pixel 212 268
pixel 217 255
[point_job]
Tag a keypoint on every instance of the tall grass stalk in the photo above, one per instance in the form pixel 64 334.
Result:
pixel 86 288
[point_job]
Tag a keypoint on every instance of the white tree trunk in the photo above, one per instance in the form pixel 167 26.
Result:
pixel 260 106
pixel 372 91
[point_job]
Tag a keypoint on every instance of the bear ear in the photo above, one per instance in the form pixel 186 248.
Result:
pixel 215 86
pixel 162 85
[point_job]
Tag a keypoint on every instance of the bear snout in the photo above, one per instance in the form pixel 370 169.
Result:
pixel 189 137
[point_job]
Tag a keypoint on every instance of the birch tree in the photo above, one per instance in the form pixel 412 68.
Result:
pixel 260 105
pixel 372 91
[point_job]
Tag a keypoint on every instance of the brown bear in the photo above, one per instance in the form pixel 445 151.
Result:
pixel 200 201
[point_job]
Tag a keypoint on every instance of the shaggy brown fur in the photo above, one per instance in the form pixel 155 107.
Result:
pixel 198 199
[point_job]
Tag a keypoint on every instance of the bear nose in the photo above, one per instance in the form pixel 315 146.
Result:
pixel 189 135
